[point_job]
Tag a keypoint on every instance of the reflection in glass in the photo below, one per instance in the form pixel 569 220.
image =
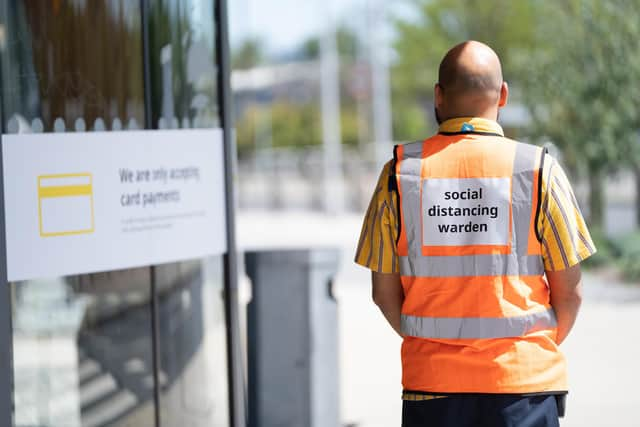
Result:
pixel 14 125
pixel 192 344
pixel 46 321
pixel 132 124
pixel 192 326
pixel 74 341
pixel 80 125
pixel 59 125
pixel 64 59
pixel 36 125
pixel 183 71
pixel 99 125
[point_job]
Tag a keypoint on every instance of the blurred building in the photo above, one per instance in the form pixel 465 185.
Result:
pixel 295 82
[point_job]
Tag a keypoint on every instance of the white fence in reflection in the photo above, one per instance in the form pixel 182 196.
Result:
pixel 292 179
pixel 282 179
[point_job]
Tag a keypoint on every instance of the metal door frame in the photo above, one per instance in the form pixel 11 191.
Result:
pixel 235 367
pixel 6 327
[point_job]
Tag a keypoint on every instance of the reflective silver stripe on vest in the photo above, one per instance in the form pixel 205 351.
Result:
pixel 477 327
pixel 522 187
pixel 515 263
pixel 410 171
pixel 472 265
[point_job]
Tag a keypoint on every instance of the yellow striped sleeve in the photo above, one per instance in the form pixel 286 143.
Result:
pixel 565 238
pixel 377 244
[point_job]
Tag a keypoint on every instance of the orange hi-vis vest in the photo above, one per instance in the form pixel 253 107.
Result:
pixel 476 315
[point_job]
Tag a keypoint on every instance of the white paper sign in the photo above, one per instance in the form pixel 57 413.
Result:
pixel 466 211
pixel 97 201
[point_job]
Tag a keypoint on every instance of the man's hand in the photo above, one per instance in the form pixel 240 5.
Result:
pixel 388 295
pixel 566 297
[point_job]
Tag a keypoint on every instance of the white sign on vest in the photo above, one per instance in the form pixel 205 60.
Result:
pixel 466 211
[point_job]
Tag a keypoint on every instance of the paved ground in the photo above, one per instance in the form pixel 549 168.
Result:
pixel 603 350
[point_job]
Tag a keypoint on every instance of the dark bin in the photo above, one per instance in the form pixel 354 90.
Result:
pixel 292 330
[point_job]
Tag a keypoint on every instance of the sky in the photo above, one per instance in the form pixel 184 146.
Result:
pixel 283 24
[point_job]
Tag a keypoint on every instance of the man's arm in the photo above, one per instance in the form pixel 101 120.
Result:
pixel 566 297
pixel 388 295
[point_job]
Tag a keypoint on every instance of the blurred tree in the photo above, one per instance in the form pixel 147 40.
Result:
pixel 507 26
pixel 296 124
pixel 85 55
pixel 249 54
pixel 574 64
pixel 169 28
pixel 346 41
pixel 288 125
pixel 582 88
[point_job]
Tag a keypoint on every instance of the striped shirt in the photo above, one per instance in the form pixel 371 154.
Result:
pixel 565 237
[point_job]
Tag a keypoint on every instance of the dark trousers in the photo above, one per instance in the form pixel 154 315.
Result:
pixel 481 411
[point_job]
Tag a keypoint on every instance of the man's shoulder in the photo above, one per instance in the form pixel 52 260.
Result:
pixel 414 142
pixel 522 143
pixel 408 149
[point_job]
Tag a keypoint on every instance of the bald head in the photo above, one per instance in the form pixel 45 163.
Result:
pixel 470 81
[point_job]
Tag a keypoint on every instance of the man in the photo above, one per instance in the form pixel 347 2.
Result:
pixel 474 242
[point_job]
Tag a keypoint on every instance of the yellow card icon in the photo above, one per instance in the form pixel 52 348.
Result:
pixel 65 204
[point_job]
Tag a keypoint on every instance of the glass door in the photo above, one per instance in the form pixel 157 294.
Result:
pixel 127 347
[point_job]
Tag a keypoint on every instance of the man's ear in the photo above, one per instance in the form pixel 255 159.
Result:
pixel 438 96
pixel 504 94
